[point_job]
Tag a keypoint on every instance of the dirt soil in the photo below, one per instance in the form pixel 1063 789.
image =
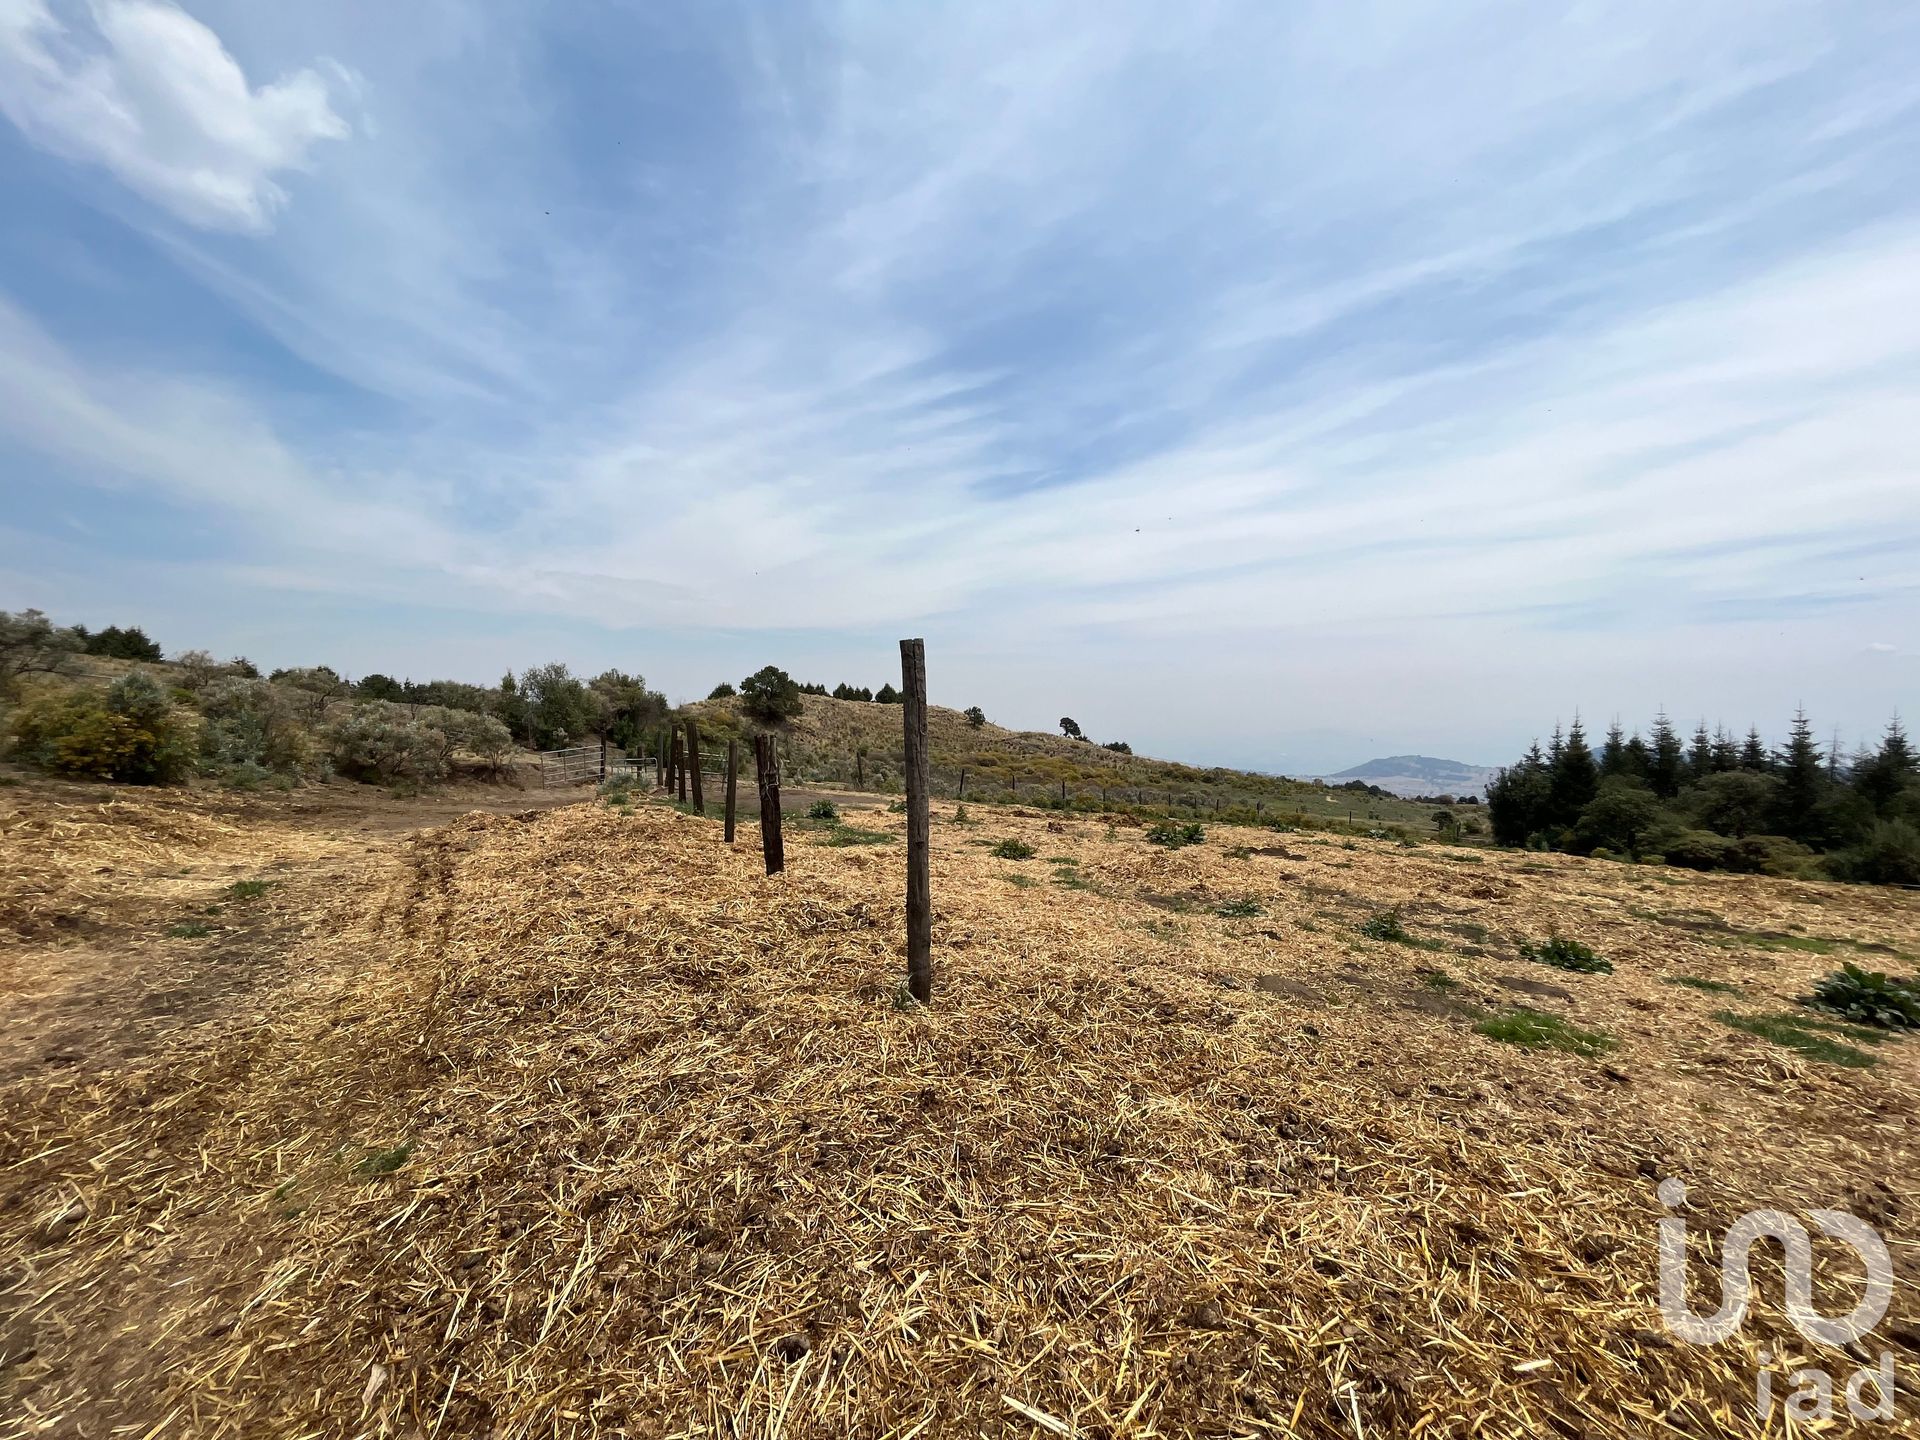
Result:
pixel 499 1114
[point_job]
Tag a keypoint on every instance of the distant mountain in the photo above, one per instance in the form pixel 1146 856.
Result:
pixel 1420 775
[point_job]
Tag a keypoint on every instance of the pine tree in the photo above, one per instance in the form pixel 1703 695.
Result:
pixel 1726 755
pixel 1613 754
pixel 1753 753
pixel 1664 769
pixel 1574 777
pixel 1881 776
pixel 1700 753
pixel 1803 781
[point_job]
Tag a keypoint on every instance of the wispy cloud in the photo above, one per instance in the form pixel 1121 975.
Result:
pixel 150 93
pixel 1467 338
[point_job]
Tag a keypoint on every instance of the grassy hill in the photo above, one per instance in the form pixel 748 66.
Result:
pixel 859 744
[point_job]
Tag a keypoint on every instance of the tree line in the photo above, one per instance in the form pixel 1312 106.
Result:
pixel 1716 802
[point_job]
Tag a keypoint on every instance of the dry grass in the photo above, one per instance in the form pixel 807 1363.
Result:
pixel 579 1125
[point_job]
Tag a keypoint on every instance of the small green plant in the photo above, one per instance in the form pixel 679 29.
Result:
pixel 1173 834
pixel 1244 908
pixel 1240 852
pixel 248 889
pixel 1386 925
pixel 1700 982
pixel 189 930
pixel 1539 1031
pixel 1439 980
pixel 618 790
pixel 1868 997
pixel 1803 1036
pixel 1012 850
pixel 960 815
pixel 903 997
pixel 384 1162
pixel 1565 954
pixel 823 810
pixel 842 836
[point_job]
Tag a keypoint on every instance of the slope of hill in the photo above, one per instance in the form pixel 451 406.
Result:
pixel 847 742
pixel 1419 775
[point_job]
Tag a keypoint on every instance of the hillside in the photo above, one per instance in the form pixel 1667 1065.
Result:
pixel 575 1124
pixel 1420 775
pixel 855 743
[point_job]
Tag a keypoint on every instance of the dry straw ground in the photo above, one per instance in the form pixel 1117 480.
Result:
pixel 575 1124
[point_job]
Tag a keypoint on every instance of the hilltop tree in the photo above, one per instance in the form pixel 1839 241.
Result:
pixel 31 644
pixel 1665 766
pixel 1613 753
pixel 1700 753
pixel 1574 777
pixel 1119 747
pixel 723 691
pixel 770 695
pixel 380 687
pixel 1882 777
pixel 1803 781
pixel 131 643
pixel 886 695
pixel 1753 751
pixel 1070 729
pixel 976 717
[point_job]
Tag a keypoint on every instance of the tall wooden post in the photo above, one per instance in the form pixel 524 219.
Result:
pixel 733 773
pixel 693 765
pixel 767 772
pixel 913 697
pixel 603 758
pixel 680 766
pixel 660 760
pixel 963 784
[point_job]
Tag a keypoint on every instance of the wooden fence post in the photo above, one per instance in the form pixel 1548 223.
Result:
pixel 767 768
pixel 913 698
pixel 733 771
pixel 693 765
pixel 680 765
pixel 963 783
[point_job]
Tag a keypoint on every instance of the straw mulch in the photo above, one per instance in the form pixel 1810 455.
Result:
pixel 582 1126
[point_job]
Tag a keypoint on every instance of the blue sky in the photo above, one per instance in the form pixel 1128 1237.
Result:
pixel 1274 385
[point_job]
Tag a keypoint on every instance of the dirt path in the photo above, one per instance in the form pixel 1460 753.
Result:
pixel 108 961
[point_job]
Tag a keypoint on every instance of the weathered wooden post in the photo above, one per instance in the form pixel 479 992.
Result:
pixel 660 760
pixel 1063 794
pixel 913 698
pixel 693 765
pixel 963 784
pixel 767 771
pixel 680 766
pixel 733 771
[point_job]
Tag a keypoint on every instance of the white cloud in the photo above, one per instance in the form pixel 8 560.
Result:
pixel 150 93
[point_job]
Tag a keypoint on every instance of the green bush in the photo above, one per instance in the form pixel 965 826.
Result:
pixel 251 734
pixel 1173 835
pixel 1868 997
pixel 1386 925
pixel 1890 855
pixel 1564 954
pixel 387 744
pixel 1012 850
pixel 130 732
pixel 823 810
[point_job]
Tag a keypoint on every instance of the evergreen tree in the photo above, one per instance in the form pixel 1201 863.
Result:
pixel 1517 799
pixel 1665 768
pixel 1753 753
pixel 1881 777
pixel 1700 753
pixel 1639 757
pixel 1803 782
pixel 1726 755
pixel 1613 754
pixel 1574 778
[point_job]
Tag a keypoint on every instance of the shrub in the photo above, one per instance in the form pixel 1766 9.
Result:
pixel 723 691
pixel 130 732
pixel 823 810
pixel 1564 954
pixel 975 716
pixel 1173 835
pixel 250 733
pixel 1244 908
pixel 1868 997
pixel 1012 850
pixel 1386 925
pixel 1890 855
pixel 385 744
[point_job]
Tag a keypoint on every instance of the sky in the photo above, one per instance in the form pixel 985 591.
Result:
pixel 1271 385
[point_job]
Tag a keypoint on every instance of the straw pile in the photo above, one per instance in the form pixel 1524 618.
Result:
pixel 581 1126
